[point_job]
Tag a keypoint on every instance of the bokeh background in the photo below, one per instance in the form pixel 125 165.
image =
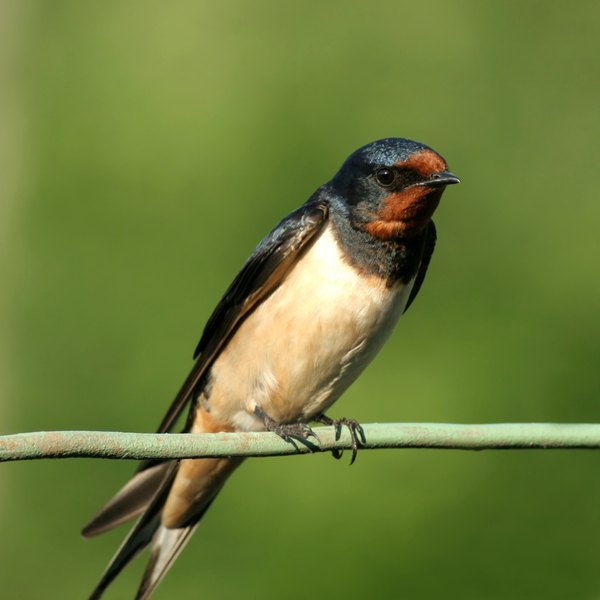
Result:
pixel 147 146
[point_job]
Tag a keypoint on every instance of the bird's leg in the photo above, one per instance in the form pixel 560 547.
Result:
pixel 354 428
pixel 287 431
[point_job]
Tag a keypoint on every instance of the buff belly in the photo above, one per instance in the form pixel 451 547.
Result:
pixel 293 357
pixel 303 346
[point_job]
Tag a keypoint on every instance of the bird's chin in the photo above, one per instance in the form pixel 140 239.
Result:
pixel 405 214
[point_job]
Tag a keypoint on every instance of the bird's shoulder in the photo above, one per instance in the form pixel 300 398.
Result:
pixel 266 267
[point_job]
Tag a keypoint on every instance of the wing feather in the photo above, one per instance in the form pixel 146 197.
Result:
pixel 260 276
pixel 428 248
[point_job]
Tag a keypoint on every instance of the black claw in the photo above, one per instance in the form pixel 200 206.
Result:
pixel 353 427
pixel 289 432
pixel 308 432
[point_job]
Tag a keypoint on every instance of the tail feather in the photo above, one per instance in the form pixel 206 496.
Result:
pixel 166 546
pixel 187 490
pixel 130 501
pixel 172 497
pixel 139 537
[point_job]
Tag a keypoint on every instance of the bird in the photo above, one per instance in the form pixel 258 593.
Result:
pixel 309 309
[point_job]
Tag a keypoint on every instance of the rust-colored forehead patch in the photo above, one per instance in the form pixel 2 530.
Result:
pixel 425 163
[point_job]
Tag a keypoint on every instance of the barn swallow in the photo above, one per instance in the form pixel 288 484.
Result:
pixel 311 307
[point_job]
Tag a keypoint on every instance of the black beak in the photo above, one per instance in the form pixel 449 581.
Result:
pixel 440 179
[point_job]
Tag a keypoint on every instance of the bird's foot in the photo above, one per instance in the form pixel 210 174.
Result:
pixel 287 431
pixel 353 427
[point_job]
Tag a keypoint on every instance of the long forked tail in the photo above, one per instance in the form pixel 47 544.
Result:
pixel 140 535
pixel 183 491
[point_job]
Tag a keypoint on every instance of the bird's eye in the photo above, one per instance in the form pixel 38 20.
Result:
pixel 385 176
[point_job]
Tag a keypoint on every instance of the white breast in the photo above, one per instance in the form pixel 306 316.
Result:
pixel 302 347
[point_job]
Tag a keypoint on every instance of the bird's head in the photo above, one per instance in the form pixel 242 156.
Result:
pixel 390 188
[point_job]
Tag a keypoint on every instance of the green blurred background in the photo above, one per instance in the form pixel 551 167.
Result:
pixel 146 148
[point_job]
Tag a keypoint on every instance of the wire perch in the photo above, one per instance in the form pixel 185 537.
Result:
pixel 140 446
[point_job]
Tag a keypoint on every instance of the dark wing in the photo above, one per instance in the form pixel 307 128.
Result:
pixel 260 276
pixel 428 247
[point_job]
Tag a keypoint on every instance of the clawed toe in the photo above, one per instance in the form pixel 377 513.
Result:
pixel 291 431
pixel 301 432
pixel 353 427
pixel 287 431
